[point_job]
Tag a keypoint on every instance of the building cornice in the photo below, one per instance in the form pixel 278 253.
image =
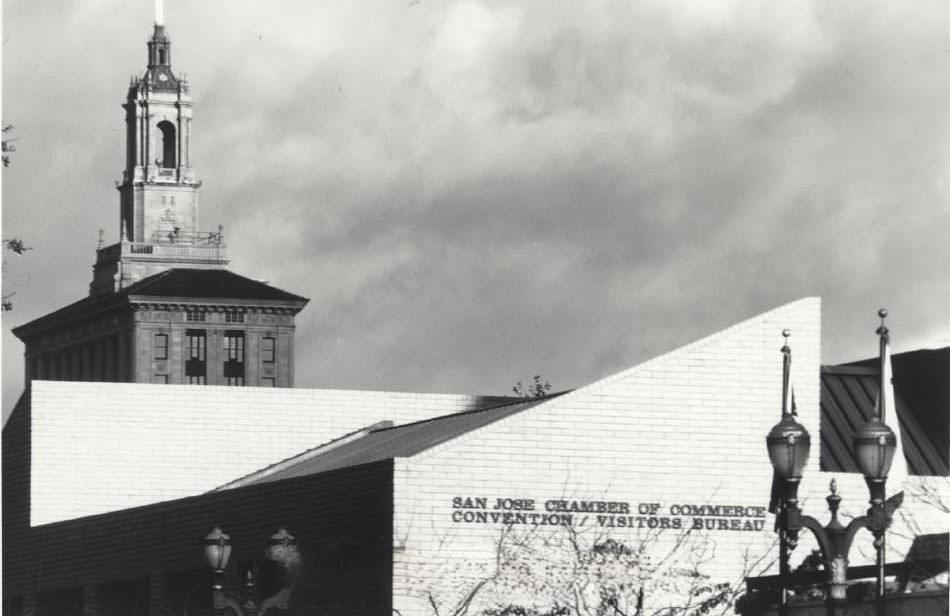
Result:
pixel 144 302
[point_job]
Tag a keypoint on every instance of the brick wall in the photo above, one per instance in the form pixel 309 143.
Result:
pixel 685 429
pixel 16 469
pixel 100 447
pixel 341 520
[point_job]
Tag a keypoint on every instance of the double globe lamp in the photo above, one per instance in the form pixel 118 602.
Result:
pixel 873 444
pixel 281 548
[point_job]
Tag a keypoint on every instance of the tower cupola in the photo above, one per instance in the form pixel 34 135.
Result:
pixel 159 75
pixel 158 193
pixel 159 48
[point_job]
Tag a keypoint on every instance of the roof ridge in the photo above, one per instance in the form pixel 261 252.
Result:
pixel 146 282
pixel 513 402
pixel 850 369
pixel 382 442
pixel 320 449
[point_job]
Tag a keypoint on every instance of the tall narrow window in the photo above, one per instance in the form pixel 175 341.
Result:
pixel 161 346
pixel 268 349
pixel 195 365
pixel 168 144
pixel 234 357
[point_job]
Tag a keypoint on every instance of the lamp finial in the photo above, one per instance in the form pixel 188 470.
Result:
pixel 786 372
pixel 884 334
pixel 834 502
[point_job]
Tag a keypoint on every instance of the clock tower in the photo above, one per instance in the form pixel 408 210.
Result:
pixel 162 308
pixel 158 194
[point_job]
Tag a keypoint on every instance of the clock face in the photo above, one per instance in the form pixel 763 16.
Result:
pixel 162 77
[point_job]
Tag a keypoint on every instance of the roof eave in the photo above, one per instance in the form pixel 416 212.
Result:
pixel 293 305
pixel 50 320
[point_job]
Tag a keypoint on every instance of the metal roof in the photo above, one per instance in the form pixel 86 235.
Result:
pixel 848 394
pixel 383 441
pixel 207 284
pixel 196 284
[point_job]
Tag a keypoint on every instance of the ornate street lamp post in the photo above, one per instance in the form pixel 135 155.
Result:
pixel 788 444
pixel 217 553
pixel 874 446
pixel 281 548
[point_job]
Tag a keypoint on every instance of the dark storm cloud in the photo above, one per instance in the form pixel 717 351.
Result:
pixel 472 193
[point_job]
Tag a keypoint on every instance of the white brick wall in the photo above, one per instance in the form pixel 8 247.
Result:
pixel 100 447
pixel 685 428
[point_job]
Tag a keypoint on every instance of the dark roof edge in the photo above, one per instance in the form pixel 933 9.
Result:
pixel 873 361
pixel 80 309
pixel 94 305
pixel 532 402
pixel 322 448
pixel 382 426
pixel 218 301
pixel 155 279
pixel 850 369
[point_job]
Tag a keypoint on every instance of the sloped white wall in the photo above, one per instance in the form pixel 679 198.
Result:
pixel 687 428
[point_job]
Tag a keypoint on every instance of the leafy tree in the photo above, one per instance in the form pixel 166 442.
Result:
pixel 7 144
pixel 538 388
pixel 16 246
pixel 13 244
pixel 566 571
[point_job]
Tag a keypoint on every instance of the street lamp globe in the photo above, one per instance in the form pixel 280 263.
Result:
pixel 788 443
pixel 217 549
pixel 282 548
pixel 874 447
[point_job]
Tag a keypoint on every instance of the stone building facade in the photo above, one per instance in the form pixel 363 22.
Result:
pixel 186 326
pixel 162 308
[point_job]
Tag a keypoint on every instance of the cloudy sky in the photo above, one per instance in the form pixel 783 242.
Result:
pixel 475 192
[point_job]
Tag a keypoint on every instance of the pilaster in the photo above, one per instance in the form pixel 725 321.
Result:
pixel 91 600
pixel 28 604
pixel 157 599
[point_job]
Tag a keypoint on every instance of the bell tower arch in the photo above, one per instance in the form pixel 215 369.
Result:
pixel 159 181
pixel 158 193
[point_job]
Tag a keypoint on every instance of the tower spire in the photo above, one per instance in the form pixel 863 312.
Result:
pixel 159 47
